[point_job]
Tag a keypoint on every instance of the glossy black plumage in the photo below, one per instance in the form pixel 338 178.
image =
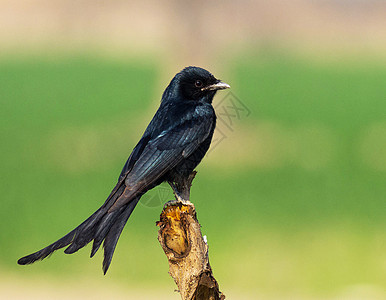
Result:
pixel 172 145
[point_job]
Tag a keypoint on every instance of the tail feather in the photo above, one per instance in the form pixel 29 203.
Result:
pixel 87 234
pixel 61 243
pixel 114 233
pixel 84 234
pixel 102 225
pixel 47 251
pixel 103 229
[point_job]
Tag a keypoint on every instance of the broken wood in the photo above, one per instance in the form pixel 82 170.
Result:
pixel 187 251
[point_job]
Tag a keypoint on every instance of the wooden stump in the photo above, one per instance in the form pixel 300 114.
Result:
pixel 187 252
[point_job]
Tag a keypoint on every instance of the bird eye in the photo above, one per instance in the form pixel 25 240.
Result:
pixel 198 83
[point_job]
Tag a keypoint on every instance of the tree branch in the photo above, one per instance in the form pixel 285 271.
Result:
pixel 187 251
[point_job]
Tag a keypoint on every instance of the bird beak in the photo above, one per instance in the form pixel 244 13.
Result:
pixel 217 86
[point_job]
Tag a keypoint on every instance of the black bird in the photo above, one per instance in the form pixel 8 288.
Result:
pixel 172 145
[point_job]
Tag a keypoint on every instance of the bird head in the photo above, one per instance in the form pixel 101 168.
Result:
pixel 194 83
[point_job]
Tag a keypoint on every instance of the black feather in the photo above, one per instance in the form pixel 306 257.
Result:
pixel 172 145
pixel 114 233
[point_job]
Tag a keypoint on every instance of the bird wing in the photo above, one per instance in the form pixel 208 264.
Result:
pixel 135 154
pixel 165 151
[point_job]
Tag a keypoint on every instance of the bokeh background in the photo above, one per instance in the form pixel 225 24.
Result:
pixel 291 195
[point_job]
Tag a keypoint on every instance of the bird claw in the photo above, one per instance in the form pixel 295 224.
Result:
pixel 177 194
pixel 180 199
pixel 177 202
pixel 184 202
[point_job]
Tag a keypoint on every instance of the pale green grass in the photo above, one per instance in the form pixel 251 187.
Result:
pixel 290 201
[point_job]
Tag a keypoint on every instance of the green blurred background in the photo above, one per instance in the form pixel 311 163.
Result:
pixel 292 194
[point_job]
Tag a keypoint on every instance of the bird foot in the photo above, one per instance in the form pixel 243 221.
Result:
pixel 180 203
pixel 179 198
pixel 178 195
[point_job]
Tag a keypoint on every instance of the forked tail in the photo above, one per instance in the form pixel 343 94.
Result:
pixel 103 225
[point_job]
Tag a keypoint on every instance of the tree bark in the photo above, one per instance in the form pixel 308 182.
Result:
pixel 185 248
